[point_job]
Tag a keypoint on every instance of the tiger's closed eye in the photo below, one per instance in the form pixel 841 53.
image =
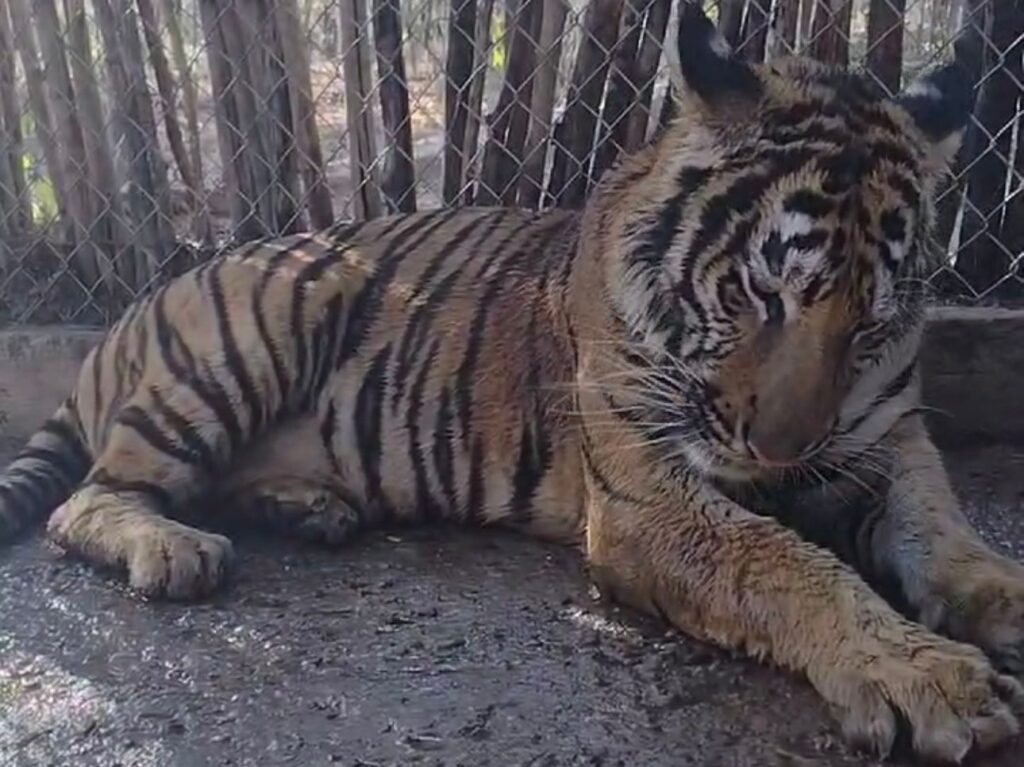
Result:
pixel 732 296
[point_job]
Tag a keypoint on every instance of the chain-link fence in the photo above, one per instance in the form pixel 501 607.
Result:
pixel 138 137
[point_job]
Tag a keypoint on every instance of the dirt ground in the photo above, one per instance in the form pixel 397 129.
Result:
pixel 431 647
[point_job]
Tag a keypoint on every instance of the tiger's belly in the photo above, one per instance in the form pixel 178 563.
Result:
pixel 420 448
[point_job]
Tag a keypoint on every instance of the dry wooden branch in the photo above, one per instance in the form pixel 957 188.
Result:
pixel 362 134
pixel 784 26
pixel 830 36
pixel 458 76
pixel 307 137
pixel 574 135
pixel 68 130
pixel 109 229
pixel 503 154
pixel 885 42
pixel 189 101
pixel 474 116
pixel 166 88
pixel 398 177
pixel 147 188
pixel 542 104
pixel 624 86
pixel 754 33
pixel 646 69
pixel 730 20
pixel 14 203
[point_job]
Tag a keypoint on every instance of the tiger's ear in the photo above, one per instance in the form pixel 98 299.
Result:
pixel 940 103
pixel 707 66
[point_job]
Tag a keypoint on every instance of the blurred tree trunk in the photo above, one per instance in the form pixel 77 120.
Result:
pixel 147 189
pixel 542 103
pixel 730 20
pixel 109 228
pixel 830 37
pixel 189 101
pixel 474 116
pixel 885 42
pixel 574 134
pixel 985 257
pixel 651 43
pixel 68 129
pixel 458 75
pixel 503 154
pixel 317 194
pixel 803 36
pixel 35 83
pixel 362 134
pixel 784 29
pixel 971 51
pixel 255 127
pixel 754 33
pixel 398 175
pixel 15 206
pixel 165 88
pixel 624 87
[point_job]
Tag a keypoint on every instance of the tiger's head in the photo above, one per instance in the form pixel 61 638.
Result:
pixel 764 256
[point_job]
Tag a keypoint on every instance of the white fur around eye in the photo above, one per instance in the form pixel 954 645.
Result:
pixel 897 250
pixel 791 224
pixel 720 46
pixel 923 88
pixel 884 304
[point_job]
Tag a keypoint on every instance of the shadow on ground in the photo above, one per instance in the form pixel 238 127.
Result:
pixel 427 648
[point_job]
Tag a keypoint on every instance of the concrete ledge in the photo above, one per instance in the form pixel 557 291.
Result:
pixel 972 362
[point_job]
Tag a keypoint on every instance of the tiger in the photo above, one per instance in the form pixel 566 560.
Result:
pixel 706 379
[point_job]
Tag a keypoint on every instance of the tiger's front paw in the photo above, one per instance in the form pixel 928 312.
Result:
pixel 984 605
pixel 948 693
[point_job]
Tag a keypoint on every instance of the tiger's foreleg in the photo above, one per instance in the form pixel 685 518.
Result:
pixel 157 459
pixel 741 581
pixel 952 580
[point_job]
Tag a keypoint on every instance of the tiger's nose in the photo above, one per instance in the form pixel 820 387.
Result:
pixel 782 443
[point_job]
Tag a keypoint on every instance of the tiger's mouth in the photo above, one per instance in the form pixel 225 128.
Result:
pixel 743 463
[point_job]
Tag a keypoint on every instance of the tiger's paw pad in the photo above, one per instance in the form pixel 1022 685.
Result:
pixel 952 699
pixel 175 562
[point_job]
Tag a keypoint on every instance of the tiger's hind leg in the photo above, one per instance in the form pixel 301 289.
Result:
pixel 286 483
pixel 306 510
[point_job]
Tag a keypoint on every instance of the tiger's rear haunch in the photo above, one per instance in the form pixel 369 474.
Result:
pixel 709 377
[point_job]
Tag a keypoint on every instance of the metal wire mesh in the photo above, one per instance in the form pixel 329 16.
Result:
pixel 138 137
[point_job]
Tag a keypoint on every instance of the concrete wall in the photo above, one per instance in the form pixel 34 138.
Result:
pixel 973 366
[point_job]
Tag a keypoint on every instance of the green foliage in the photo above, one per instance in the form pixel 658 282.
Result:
pixel 41 191
pixel 499 49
